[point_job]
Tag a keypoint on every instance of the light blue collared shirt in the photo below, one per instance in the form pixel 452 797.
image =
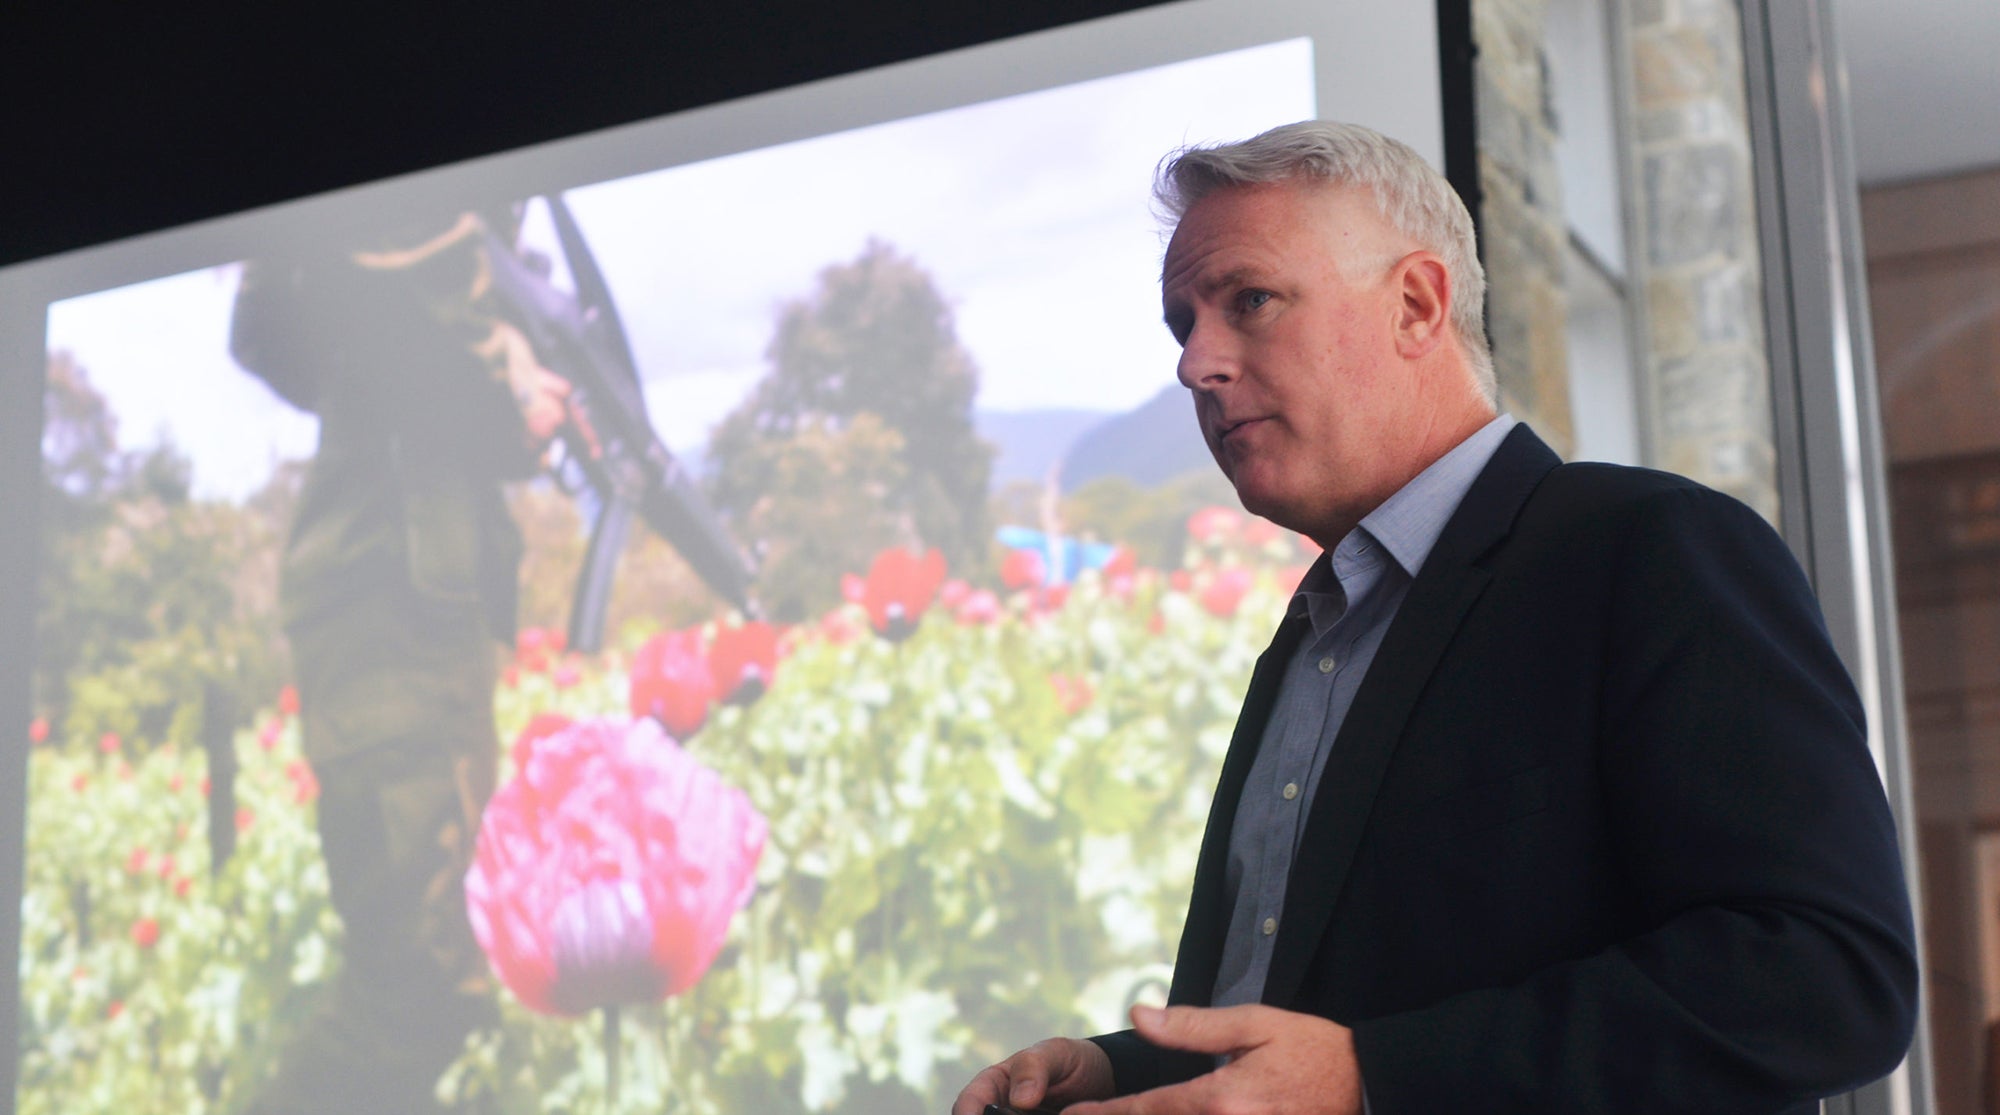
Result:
pixel 1350 596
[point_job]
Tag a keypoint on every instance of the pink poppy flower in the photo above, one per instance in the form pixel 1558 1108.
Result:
pixel 900 588
pixel 109 743
pixel 288 700
pixel 671 682
pixel 743 660
pixel 979 608
pixel 608 869
pixel 1224 592
pixel 852 588
pixel 540 727
pixel 38 730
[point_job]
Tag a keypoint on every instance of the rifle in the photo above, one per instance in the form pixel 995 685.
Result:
pixel 609 448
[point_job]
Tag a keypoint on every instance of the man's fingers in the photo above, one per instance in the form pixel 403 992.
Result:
pixel 1176 1099
pixel 1203 1029
pixel 990 1086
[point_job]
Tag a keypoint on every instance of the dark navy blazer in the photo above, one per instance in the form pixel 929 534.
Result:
pixel 1601 832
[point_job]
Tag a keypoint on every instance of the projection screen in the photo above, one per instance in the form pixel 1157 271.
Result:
pixel 874 620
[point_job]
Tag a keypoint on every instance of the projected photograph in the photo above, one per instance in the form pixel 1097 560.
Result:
pixel 758 635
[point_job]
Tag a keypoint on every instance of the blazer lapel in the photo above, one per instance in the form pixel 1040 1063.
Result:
pixel 1200 953
pixel 1437 602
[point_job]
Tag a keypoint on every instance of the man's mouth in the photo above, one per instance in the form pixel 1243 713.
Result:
pixel 1226 429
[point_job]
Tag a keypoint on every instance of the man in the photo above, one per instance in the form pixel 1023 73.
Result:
pixel 1550 793
pixel 398 586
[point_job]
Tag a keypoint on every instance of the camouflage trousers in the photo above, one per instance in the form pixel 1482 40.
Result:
pixel 396 706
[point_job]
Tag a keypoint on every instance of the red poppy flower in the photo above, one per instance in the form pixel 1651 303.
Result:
pixel 1180 580
pixel 900 587
pixel 109 743
pixel 182 886
pixel 164 866
pixel 1023 569
pixel 38 730
pixel 979 608
pixel 116 1008
pixel 1214 524
pixel 1122 563
pixel 288 700
pixel 135 864
pixel 954 593
pixel 305 784
pixel 838 627
pixel 1259 531
pixel 671 682
pixel 743 661
pixel 566 676
pixel 1052 598
pixel 79 782
pixel 244 818
pixel 204 785
pixel 1225 591
pixel 146 932
pixel 1074 694
pixel 532 647
pixel 511 677
pixel 608 869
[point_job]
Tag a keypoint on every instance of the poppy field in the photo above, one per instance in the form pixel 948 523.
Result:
pixel 731 867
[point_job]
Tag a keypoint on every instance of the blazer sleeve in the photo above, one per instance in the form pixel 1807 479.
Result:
pixel 1779 963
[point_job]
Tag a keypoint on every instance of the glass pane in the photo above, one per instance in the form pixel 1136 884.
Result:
pixel 1934 294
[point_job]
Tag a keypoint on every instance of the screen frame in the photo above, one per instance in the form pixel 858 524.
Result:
pixel 1429 105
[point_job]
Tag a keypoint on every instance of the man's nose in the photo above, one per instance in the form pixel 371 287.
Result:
pixel 1206 362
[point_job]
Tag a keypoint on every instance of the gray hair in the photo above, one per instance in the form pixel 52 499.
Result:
pixel 1414 198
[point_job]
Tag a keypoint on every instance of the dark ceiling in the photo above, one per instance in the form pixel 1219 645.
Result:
pixel 117 120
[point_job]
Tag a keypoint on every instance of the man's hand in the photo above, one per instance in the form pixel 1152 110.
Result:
pixel 1052 1073
pixel 1279 1061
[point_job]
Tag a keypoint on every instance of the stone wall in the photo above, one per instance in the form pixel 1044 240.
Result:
pixel 1525 236
pixel 1706 363
pixel 1692 257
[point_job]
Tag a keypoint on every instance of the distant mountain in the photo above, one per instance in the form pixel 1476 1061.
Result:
pixel 1031 440
pixel 1148 445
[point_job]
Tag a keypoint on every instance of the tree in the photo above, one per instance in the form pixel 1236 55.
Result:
pixel 150 601
pixel 869 385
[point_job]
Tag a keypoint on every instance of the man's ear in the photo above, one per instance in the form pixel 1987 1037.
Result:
pixel 1423 316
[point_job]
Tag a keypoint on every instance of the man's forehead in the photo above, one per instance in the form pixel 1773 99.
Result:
pixel 1233 221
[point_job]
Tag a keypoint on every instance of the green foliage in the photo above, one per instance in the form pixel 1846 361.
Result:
pixel 964 856
pixel 874 341
pixel 150 601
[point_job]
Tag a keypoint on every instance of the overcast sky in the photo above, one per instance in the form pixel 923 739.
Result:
pixel 1031 213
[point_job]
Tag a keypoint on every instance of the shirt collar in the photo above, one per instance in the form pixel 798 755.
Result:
pixel 1406 525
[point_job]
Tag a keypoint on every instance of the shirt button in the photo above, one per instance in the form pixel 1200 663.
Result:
pixel 1291 790
pixel 1270 926
pixel 1326 664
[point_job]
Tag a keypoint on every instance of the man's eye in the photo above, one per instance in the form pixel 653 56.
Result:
pixel 1252 299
